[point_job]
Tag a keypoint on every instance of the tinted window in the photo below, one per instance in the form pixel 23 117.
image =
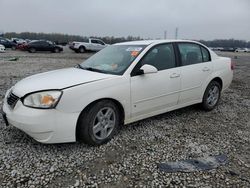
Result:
pixel 44 43
pixel 162 57
pixel 100 42
pixel 94 41
pixel 190 53
pixel 36 42
pixel 205 54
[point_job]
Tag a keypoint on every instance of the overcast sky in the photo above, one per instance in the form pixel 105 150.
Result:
pixel 195 19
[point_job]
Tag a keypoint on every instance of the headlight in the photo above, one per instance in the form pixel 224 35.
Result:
pixel 45 99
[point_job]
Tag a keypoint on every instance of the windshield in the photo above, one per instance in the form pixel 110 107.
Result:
pixel 113 59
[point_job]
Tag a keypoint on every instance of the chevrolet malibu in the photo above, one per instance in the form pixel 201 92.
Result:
pixel 122 83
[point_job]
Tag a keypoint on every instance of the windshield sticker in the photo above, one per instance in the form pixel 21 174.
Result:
pixel 134 53
pixel 134 49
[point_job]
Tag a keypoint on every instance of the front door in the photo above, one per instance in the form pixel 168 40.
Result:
pixel 155 92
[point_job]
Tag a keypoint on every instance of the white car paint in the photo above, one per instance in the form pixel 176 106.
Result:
pixel 140 96
pixel 2 48
pixel 242 50
pixel 91 45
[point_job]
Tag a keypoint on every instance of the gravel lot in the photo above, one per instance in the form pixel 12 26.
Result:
pixel 131 158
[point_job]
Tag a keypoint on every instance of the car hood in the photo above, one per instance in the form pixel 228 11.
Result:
pixel 58 79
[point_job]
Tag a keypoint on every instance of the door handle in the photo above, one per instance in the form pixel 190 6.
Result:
pixel 174 75
pixel 205 69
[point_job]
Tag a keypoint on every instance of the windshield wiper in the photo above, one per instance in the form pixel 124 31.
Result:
pixel 89 68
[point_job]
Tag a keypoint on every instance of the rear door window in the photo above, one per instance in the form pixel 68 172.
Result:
pixel 190 53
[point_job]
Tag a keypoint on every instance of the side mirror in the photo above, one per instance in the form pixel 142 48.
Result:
pixel 147 69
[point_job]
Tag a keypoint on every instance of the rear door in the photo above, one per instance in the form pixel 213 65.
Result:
pixel 45 46
pixel 38 45
pixel 153 93
pixel 195 69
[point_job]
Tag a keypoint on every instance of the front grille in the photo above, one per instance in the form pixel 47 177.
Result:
pixel 12 100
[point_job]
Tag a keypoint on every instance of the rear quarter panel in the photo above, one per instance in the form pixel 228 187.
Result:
pixel 221 69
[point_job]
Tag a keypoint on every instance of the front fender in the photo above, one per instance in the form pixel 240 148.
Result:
pixel 77 98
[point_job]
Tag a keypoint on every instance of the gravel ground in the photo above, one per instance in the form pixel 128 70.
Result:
pixel 131 158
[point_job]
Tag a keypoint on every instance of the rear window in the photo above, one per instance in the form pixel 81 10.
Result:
pixel 192 53
pixel 205 54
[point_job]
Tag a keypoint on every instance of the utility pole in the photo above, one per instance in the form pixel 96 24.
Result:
pixel 165 34
pixel 1 33
pixel 176 33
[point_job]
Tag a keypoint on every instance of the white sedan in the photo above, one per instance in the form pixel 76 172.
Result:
pixel 122 83
pixel 242 50
pixel 2 48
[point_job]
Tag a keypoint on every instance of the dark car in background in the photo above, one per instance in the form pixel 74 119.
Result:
pixel 43 45
pixel 7 43
pixel 228 49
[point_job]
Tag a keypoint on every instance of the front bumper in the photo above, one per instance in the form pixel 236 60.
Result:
pixel 44 125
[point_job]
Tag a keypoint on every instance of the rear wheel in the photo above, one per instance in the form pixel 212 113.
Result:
pixel 98 124
pixel 81 49
pixel 32 50
pixel 56 50
pixel 13 47
pixel 211 96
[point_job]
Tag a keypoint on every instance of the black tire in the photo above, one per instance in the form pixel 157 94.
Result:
pixel 211 96
pixel 90 119
pixel 13 47
pixel 32 50
pixel 81 49
pixel 56 50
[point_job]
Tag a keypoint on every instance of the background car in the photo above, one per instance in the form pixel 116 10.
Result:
pixel 242 50
pixel 2 48
pixel 227 49
pixel 42 45
pixel 90 45
pixel 18 40
pixel 7 43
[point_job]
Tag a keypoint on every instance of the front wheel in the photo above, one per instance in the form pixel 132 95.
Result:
pixel 98 124
pixel 211 96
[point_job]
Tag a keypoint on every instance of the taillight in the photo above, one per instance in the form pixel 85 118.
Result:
pixel 232 65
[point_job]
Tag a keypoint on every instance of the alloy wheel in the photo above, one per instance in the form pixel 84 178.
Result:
pixel 213 95
pixel 104 123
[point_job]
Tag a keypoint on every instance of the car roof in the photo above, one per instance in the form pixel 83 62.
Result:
pixel 148 42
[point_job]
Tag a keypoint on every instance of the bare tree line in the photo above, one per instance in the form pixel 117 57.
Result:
pixel 66 38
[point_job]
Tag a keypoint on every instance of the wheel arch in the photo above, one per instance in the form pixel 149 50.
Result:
pixel 82 46
pixel 215 78
pixel 219 80
pixel 116 102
